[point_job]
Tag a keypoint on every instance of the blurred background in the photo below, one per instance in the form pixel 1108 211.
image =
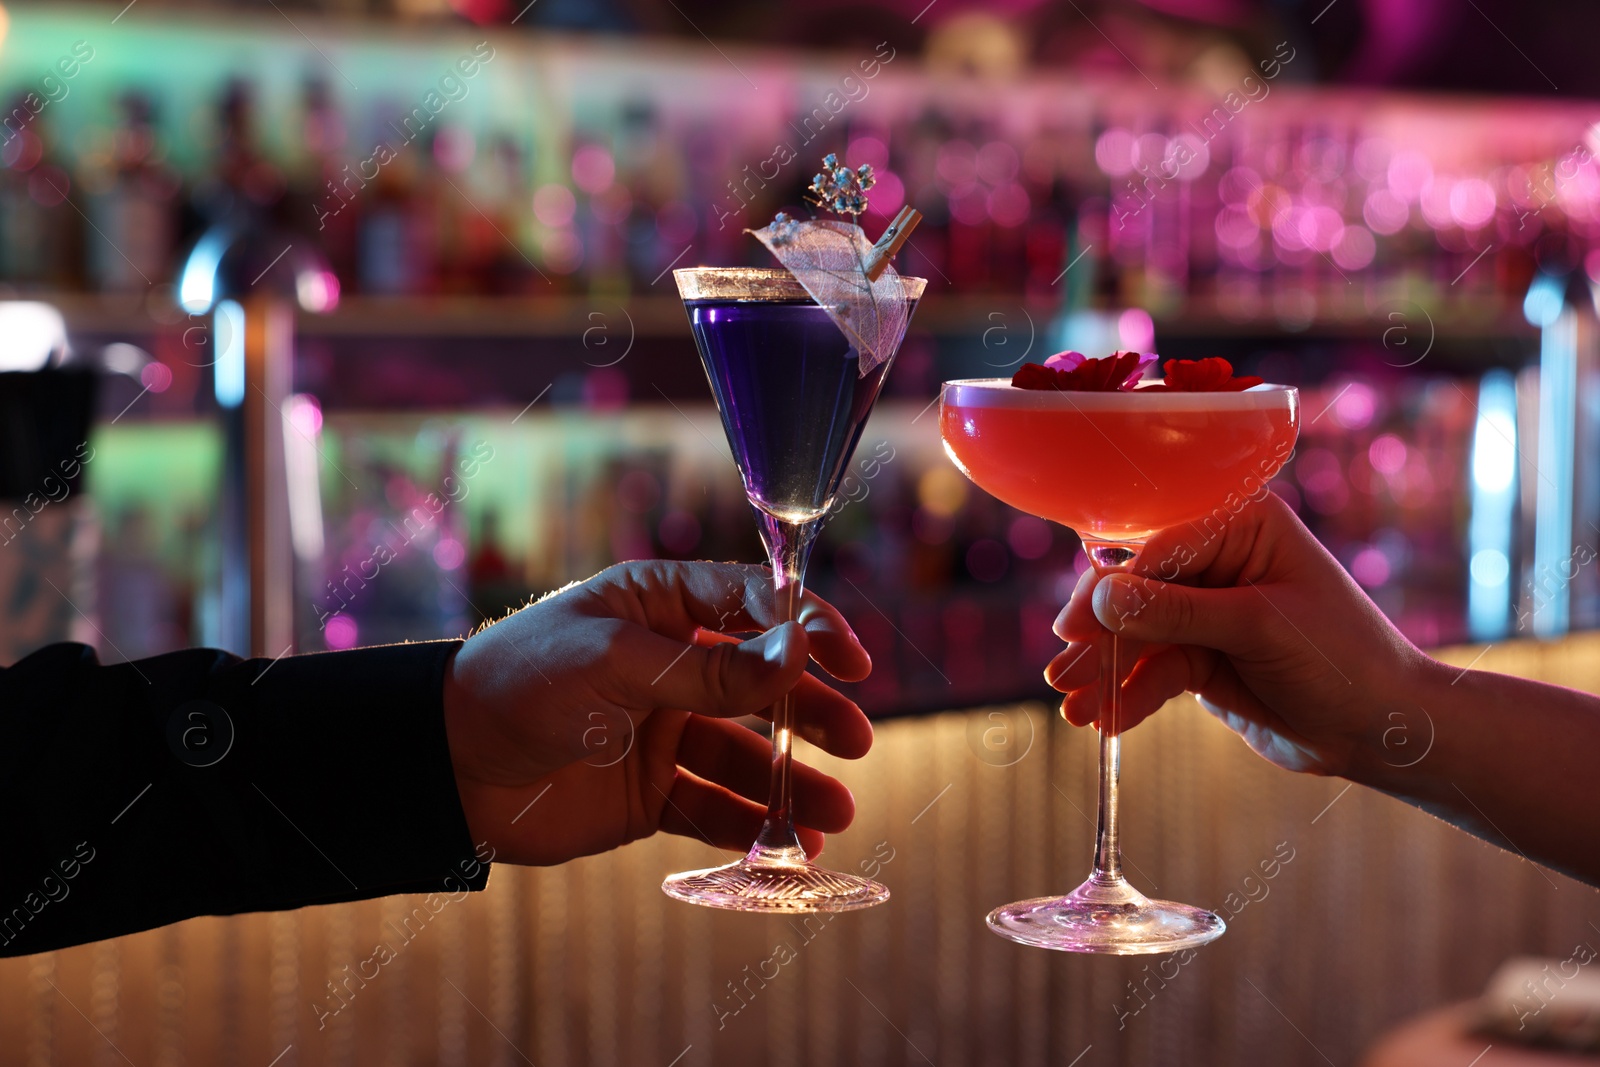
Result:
pixel 344 322
pixel 481 260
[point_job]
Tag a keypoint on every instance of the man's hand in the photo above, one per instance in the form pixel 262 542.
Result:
pixel 599 715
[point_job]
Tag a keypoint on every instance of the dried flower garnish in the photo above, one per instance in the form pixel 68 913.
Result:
pixel 1073 371
pixel 1211 375
pixel 841 270
pixel 782 229
pixel 839 189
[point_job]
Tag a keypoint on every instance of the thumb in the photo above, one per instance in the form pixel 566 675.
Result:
pixel 1163 613
pixel 726 678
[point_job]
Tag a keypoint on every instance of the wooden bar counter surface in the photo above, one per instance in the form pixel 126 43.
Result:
pixel 1348 912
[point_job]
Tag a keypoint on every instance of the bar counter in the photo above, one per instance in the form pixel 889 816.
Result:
pixel 1348 905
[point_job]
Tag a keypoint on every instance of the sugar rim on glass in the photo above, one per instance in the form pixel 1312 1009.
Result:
pixel 1000 393
pixel 758 285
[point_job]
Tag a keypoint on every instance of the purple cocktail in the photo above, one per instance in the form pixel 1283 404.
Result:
pixel 791 395
pixel 788 382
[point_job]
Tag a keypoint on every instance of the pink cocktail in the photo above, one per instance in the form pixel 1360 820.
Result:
pixel 1117 467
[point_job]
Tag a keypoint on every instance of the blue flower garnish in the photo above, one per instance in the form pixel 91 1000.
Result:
pixel 840 189
pixel 782 228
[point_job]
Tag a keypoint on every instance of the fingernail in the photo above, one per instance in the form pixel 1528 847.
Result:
pixel 823 624
pixel 1125 599
pixel 819 624
pixel 776 643
pixel 1052 678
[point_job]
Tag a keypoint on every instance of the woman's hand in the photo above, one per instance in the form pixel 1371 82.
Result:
pixel 1277 641
pixel 600 714
pixel 1263 625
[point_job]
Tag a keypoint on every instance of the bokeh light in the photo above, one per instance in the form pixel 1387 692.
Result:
pixel 156 376
pixel 454 148
pixel 1136 330
pixel 888 195
pixel 1387 454
pixel 593 169
pixel 1355 248
pixel 449 553
pixel 1409 173
pixel 1009 204
pixel 554 204
pixel 1385 212
pixel 942 490
pixel 340 632
pixel 1472 202
pixel 1355 405
pixel 1114 150
pixel 997 163
pixel 1029 537
pixel 1370 567
pixel 868 150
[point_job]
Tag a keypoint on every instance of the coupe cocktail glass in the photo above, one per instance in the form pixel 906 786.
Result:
pixel 1116 467
pixel 788 385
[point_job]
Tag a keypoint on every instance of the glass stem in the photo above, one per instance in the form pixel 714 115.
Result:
pixel 789 545
pixel 1108 828
pixel 1110 557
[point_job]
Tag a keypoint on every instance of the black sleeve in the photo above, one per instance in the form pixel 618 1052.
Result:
pixel 142 793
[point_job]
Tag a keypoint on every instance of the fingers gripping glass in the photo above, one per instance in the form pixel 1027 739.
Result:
pixel 793 400
pixel 1116 467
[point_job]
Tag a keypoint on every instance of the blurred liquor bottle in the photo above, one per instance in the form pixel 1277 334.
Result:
pixel 398 235
pixel 483 217
pixel 241 184
pixel 317 199
pixel 1047 237
pixel 603 207
pixel 41 232
pixel 494 583
pixel 657 166
pixel 136 205
pixel 458 209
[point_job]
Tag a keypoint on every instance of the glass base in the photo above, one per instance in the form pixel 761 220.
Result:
pixel 774 888
pixel 1106 917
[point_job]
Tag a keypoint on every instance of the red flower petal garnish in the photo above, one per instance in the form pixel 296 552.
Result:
pixel 1211 375
pixel 1108 374
pixel 1033 376
pixel 1065 360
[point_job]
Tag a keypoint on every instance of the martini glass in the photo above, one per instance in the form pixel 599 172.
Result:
pixel 1116 467
pixel 788 385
